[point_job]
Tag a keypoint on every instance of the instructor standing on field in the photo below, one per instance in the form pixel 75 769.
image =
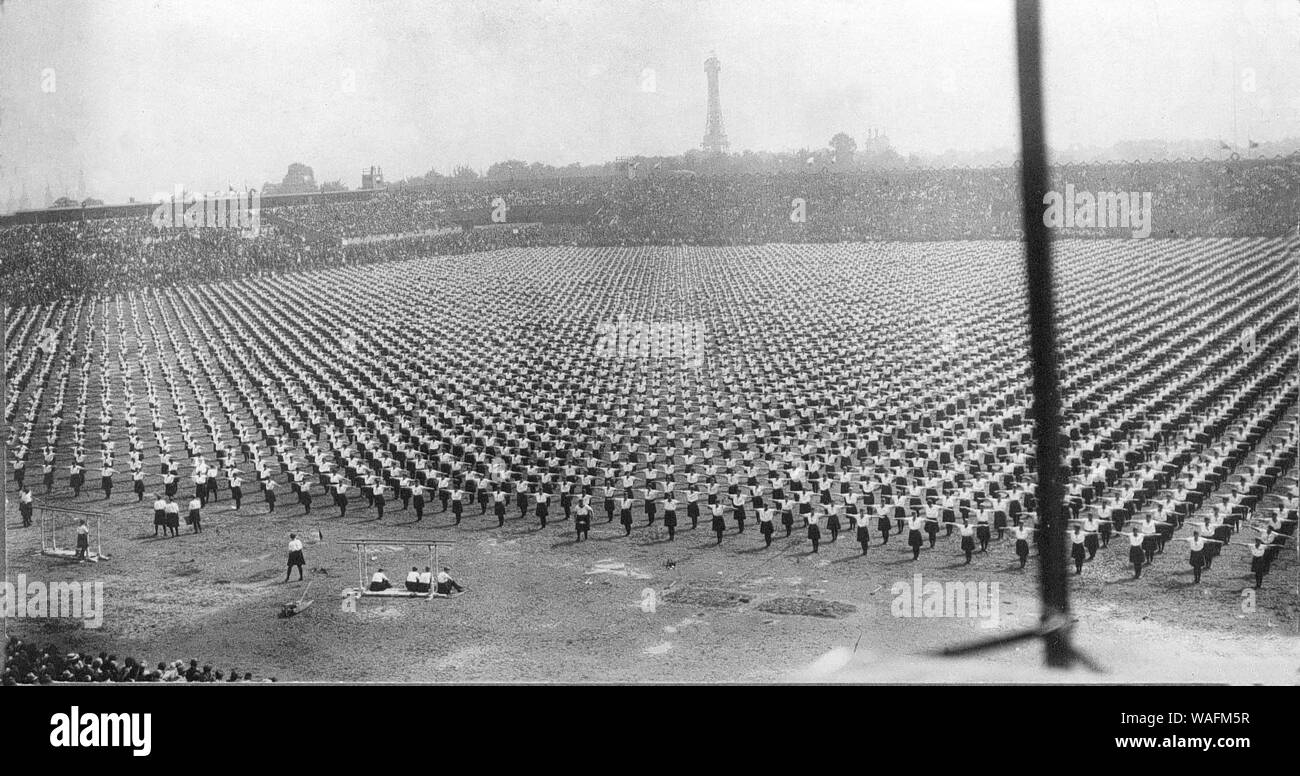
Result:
pixel 295 557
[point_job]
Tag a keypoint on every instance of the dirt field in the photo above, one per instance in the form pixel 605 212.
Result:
pixel 542 608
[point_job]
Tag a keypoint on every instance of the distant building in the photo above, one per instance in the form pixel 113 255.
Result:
pixel 877 143
pixel 298 180
pixel 372 178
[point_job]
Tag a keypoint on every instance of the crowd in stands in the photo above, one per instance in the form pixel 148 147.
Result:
pixel 394 212
pixel 1198 199
pixel 39 262
pixel 30 664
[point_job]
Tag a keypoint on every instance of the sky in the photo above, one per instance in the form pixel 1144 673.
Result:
pixel 139 95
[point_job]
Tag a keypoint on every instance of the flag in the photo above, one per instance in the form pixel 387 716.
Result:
pixel 1253 144
pixel 1224 146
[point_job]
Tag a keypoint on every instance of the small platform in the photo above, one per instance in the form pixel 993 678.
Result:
pixel 395 592
pixel 59 552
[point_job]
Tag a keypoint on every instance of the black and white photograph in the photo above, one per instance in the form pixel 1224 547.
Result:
pixel 649 342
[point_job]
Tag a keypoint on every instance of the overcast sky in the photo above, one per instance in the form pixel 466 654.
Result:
pixel 142 94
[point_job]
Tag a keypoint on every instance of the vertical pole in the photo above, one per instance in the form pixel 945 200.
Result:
pixel 4 447
pixel 361 571
pixel 1042 332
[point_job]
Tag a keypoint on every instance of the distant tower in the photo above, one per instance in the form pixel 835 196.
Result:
pixel 715 139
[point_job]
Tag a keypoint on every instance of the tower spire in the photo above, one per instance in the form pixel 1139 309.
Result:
pixel 715 138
